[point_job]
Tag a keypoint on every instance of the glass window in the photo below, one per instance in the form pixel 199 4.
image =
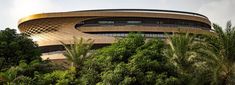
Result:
pixel 106 22
pixel 133 22
pixel 158 22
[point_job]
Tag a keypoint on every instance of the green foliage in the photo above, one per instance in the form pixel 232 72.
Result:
pixel 15 47
pixel 22 80
pixel 57 77
pixel 181 50
pixel 222 54
pixel 186 53
pixel 130 61
pixel 184 59
pixel 78 51
pixel 26 73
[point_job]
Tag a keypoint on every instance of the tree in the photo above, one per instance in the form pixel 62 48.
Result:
pixel 35 72
pixel 186 52
pixel 130 61
pixel 78 51
pixel 16 73
pixel 222 54
pixel 181 50
pixel 15 47
pixel 57 77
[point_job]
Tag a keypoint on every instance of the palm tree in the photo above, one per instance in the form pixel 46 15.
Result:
pixel 184 51
pixel 222 54
pixel 78 51
pixel 181 50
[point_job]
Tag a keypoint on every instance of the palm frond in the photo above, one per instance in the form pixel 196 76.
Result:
pixel 78 50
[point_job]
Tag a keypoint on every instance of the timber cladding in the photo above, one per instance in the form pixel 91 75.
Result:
pixel 49 29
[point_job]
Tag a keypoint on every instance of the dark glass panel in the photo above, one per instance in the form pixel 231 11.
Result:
pixel 143 21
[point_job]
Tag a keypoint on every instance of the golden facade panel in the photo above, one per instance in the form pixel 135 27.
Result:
pixel 103 26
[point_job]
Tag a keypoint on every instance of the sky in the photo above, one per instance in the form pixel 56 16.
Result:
pixel 218 11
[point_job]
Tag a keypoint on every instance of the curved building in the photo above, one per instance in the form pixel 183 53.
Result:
pixel 103 26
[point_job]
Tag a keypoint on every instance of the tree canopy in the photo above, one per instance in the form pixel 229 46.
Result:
pixel 15 47
pixel 180 59
pixel 130 61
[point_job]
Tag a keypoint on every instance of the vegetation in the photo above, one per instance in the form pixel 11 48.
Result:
pixel 129 61
pixel 15 47
pixel 78 51
pixel 181 59
pixel 222 54
pixel 28 73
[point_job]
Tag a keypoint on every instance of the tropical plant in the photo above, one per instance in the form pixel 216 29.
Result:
pixel 130 61
pixel 180 51
pixel 222 54
pixel 78 51
pixel 185 52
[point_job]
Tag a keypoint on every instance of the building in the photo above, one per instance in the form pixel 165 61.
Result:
pixel 102 26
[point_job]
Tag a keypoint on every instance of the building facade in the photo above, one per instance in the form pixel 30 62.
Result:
pixel 104 26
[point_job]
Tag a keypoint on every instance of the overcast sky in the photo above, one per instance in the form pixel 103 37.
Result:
pixel 218 11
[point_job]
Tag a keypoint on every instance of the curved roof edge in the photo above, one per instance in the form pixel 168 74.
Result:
pixel 40 15
pixel 144 10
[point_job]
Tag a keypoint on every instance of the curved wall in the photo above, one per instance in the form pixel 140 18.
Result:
pixel 48 29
